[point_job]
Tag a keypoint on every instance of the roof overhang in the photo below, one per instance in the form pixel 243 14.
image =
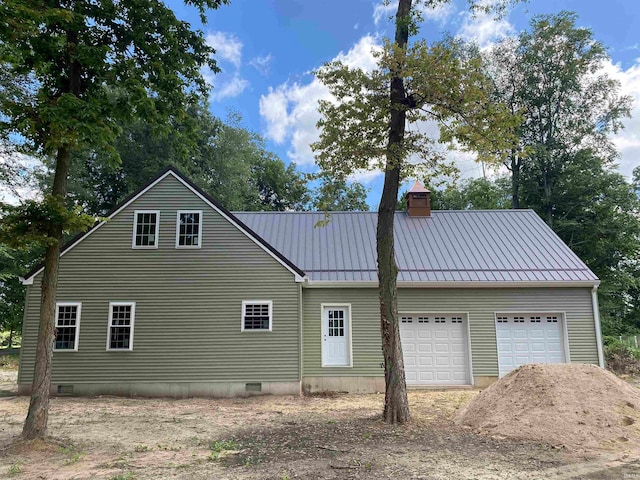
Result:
pixel 460 284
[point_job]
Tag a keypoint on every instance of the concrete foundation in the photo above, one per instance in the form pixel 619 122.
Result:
pixel 239 389
pixel 484 382
pixel 174 390
pixel 343 384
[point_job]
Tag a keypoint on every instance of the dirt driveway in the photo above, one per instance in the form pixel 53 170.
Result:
pixel 321 437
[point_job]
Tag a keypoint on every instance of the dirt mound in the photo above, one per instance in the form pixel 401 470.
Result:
pixel 581 407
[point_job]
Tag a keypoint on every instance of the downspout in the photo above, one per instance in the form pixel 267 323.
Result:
pixel 596 317
pixel 301 340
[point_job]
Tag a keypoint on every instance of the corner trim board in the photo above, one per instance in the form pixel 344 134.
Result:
pixel 596 319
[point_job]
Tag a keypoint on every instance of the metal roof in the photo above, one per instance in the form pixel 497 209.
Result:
pixel 483 246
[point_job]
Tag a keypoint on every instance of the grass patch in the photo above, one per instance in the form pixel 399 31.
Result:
pixel 15 469
pixel 218 447
pixel 72 454
pixel 9 362
pixel 124 476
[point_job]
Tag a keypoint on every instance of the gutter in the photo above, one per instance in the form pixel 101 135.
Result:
pixel 596 317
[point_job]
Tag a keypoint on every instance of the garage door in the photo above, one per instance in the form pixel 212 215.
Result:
pixel 529 338
pixel 435 349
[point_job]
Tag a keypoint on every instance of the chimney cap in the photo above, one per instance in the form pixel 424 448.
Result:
pixel 418 188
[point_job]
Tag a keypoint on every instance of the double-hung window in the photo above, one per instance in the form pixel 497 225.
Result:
pixel 121 319
pixel 257 315
pixel 189 229
pixel 145 228
pixel 67 326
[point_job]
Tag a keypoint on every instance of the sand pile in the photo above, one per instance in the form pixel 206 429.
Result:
pixel 580 407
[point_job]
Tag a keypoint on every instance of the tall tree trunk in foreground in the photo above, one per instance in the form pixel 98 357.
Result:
pixel 35 426
pixel 515 180
pixel 396 405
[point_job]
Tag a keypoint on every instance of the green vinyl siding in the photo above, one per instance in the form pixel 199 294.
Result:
pixel 481 304
pixel 188 303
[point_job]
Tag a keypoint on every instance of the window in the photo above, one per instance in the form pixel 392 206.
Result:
pixel 67 326
pixel 189 229
pixel 256 315
pixel 145 228
pixel 336 322
pixel 121 318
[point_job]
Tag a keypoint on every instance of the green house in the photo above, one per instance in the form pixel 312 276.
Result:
pixel 176 296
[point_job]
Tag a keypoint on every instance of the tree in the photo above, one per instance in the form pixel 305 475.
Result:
pixel 366 128
pixel 225 159
pixel 12 293
pixel 89 66
pixel 552 75
pixel 473 194
pixel 597 213
pixel 336 195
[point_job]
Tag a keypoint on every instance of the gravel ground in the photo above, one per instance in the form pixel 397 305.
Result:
pixel 317 437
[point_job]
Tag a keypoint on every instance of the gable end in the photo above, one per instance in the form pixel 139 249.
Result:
pixel 264 245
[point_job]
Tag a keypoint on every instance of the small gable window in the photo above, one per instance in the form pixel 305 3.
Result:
pixel 67 326
pixel 257 315
pixel 189 229
pixel 145 228
pixel 121 318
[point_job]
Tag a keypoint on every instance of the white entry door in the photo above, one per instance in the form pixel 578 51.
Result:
pixel 336 336
pixel 529 338
pixel 435 348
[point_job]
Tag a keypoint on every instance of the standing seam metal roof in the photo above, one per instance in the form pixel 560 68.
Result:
pixel 449 246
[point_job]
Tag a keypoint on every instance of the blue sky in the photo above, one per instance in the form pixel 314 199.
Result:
pixel 267 49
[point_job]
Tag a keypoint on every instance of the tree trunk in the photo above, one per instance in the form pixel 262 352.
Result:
pixel 10 342
pixel 35 426
pixel 515 181
pixel 548 202
pixel 396 405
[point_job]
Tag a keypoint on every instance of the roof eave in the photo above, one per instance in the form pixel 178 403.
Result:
pixel 458 284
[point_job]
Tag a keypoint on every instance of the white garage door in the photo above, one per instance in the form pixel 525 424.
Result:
pixel 435 349
pixel 529 338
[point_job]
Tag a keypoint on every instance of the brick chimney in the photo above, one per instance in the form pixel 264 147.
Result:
pixel 418 201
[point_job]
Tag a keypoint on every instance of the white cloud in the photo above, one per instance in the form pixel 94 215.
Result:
pixel 228 47
pixel 290 110
pixel 24 169
pixel 627 140
pixel 382 11
pixel 365 177
pixel 229 88
pixel 483 28
pixel 261 64
pixel 440 13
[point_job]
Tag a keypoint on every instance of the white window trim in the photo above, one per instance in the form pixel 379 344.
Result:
pixel 180 212
pixel 133 318
pixel 257 302
pixel 323 306
pixel 79 314
pixel 135 229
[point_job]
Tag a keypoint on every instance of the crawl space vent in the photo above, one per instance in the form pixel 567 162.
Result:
pixel 253 387
pixel 65 389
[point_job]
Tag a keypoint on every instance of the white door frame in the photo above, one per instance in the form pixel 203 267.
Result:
pixel 563 320
pixel 323 332
pixel 466 317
